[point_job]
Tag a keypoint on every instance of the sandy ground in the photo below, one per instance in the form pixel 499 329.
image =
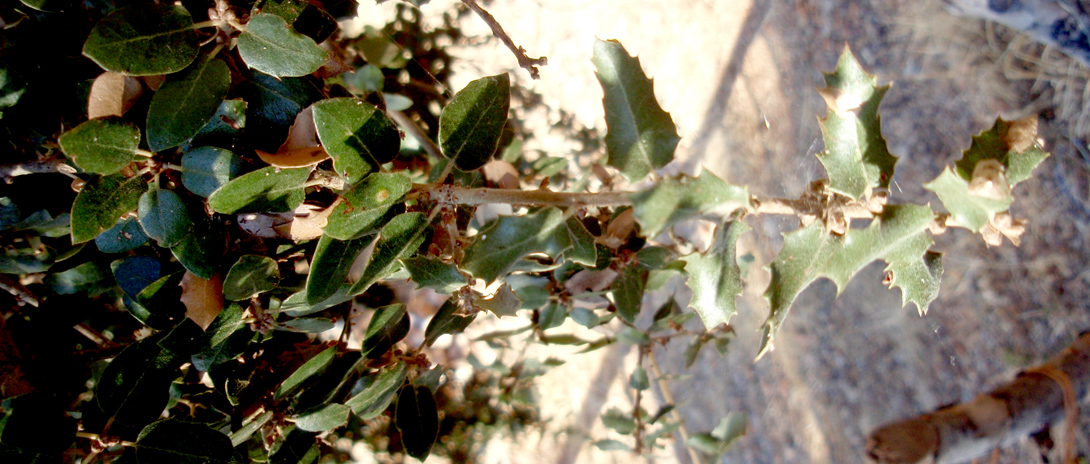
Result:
pixel 738 76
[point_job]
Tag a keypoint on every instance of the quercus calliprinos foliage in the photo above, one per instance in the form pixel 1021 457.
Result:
pixel 245 184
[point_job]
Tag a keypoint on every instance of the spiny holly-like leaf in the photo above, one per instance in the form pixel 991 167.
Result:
pixel 368 206
pixel 330 266
pixel 251 274
pixel 101 203
pixel 313 366
pixel 175 441
pixel 471 125
pixel 899 236
pixel 980 184
pixel 380 390
pixel 270 45
pixel 855 153
pixel 102 145
pixel 398 239
pixel 641 136
pixel 672 200
pixel 264 190
pixel 206 169
pixel 144 40
pixel 714 275
pixel 435 274
pixel 417 418
pixel 163 216
pixel 504 303
pixel 506 240
pixel 184 105
pixel 358 136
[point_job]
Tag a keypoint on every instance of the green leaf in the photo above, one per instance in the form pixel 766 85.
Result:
pixel 446 321
pixel 268 44
pixel 471 125
pixel 552 316
pixel 251 275
pixel 101 145
pixel 996 143
pixel 730 428
pixel 323 418
pixel 201 251
pixel 966 209
pixel 619 421
pixel 268 189
pixel 274 103
pixel 671 201
pixel 641 136
pixel 330 266
pixel 299 447
pixel 173 441
pixel 313 366
pixel 90 277
pixel 504 303
pixel 123 236
pixel 899 236
pixel 225 339
pixel 249 428
pixel 135 387
pixel 186 102
pixel 417 418
pixel 357 135
pixel 584 317
pixel 158 305
pixel 135 273
pixel 206 169
pixel 144 40
pixel 367 206
pixel 855 153
pixel 399 239
pixel 433 273
pixel 164 217
pixel 225 125
pixel 638 380
pixel 504 241
pixel 101 203
pixel 714 275
pixel 379 392
pixel 628 291
pixel 12 87
pixel 388 326
pixel 308 324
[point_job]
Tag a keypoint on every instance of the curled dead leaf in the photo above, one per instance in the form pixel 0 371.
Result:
pixel 112 95
pixel 589 280
pixel 301 148
pixel 1003 225
pixel 305 223
pixel 990 180
pixel 1022 134
pixel 618 229
pixel 203 298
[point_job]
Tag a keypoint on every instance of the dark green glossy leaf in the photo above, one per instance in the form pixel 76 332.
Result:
pixel 417 419
pixel 330 266
pixel 506 240
pixel 27 260
pixel 357 135
pixel 206 169
pixel 446 321
pixel 388 326
pixel 714 275
pixel 300 447
pixel 202 250
pixel 313 366
pixel 379 392
pixel 323 418
pixel 176 442
pixel 653 257
pixel 435 274
pixel 399 239
pixel 184 339
pixel 164 217
pixel 628 291
pixel 296 305
pixel 123 236
pixel 268 44
pixel 101 203
pixel 134 387
pixel 225 125
pixel 158 305
pixel 225 339
pixel 671 200
pixel 134 274
pixel 265 190
pixel 144 40
pixel 368 206
pixel 471 125
pixel 101 145
pixel 641 136
pixel 249 276
pixel 273 105
pixel 90 277
pixel 186 103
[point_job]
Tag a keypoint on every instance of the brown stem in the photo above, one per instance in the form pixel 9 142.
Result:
pixel 45 166
pixel 1034 399
pixel 525 62
pixel 682 431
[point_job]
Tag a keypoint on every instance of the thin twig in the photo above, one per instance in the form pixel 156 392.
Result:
pixel 22 294
pixel 483 196
pixel 43 166
pixel 525 62
pixel 636 404
pixel 682 431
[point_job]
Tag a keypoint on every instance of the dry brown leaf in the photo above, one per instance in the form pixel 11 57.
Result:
pixel 336 64
pixel 153 82
pixel 112 95
pixel 1022 134
pixel 301 147
pixel 203 298
pixel 589 280
pixel 990 180
pixel 618 229
pixel 501 173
